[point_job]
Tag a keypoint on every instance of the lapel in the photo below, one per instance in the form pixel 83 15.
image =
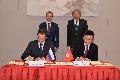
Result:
pixel 46 47
pixel 73 26
pixel 80 25
pixel 90 48
pixel 37 46
pixel 52 26
pixel 45 25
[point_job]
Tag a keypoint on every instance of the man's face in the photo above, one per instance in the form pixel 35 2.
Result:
pixel 49 17
pixel 76 15
pixel 88 39
pixel 41 37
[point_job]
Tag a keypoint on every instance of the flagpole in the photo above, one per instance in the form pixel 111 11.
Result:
pixel 62 55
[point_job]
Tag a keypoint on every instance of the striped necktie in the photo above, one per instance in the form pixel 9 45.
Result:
pixel 86 51
pixel 49 27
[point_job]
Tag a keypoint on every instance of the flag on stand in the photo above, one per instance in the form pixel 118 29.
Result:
pixel 50 56
pixel 68 55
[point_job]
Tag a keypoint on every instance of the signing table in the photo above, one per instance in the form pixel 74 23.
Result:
pixel 59 72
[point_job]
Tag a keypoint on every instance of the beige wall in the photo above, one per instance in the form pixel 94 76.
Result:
pixel 17 29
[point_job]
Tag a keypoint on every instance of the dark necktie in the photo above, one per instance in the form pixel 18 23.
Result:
pixel 41 46
pixel 49 27
pixel 76 23
pixel 86 51
pixel 41 51
pixel 76 27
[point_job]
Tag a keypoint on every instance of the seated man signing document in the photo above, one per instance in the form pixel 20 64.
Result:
pixel 39 48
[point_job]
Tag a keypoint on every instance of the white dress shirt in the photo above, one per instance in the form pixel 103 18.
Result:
pixel 76 22
pixel 86 47
pixel 42 44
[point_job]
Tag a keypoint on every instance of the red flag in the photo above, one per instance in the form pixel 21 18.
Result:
pixel 68 55
pixel 47 59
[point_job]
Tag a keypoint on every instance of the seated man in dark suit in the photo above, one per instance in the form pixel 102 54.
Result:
pixel 38 48
pixel 89 50
pixel 52 28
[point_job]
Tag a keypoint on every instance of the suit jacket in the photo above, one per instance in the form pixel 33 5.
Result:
pixel 92 52
pixel 72 39
pixel 34 50
pixel 53 35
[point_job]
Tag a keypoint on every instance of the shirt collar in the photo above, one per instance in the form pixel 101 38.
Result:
pixel 41 43
pixel 86 44
pixel 48 22
pixel 86 47
pixel 77 22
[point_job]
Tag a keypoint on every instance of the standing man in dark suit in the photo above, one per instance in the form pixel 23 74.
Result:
pixel 38 48
pixel 89 50
pixel 52 28
pixel 75 31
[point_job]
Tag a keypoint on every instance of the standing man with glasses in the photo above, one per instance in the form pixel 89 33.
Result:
pixel 75 31
pixel 52 28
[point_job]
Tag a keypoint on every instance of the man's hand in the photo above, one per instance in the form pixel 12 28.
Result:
pixel 68 47
pixel 81 58
pixel 29 58
pixel 55 49
pixel 86 59
pixel 40 59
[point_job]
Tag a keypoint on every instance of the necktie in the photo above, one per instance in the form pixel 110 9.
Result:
pixel 76 27
pixel 41 46
pixel 48 27
pixel 41 50
pixel 76 23
pixel 86 51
